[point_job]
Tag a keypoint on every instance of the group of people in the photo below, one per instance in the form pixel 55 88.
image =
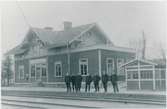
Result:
pixel 74 82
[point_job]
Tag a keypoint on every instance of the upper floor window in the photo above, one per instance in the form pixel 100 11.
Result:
pixel 21 71
pixel 58 69
pixel 83 66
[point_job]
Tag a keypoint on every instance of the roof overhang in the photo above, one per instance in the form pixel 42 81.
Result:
pixel 141 60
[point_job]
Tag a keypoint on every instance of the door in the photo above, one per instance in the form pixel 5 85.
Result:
pixel 38 72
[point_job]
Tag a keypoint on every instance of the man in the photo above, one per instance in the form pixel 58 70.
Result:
pixel 88 82
pixel 67 81
pixel 96 80
pixel 105 80
pixel 114 80
pixel 73 79
pixel 78 82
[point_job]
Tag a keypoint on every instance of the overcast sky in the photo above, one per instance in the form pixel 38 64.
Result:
pixel 121 21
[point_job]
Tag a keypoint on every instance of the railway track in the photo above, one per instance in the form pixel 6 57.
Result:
pixel 124 98
pixel 38 105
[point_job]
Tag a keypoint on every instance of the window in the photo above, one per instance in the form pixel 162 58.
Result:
pixel 21 72
pixel 110 66
pixel 119 69
pixel 38 70
pixel 135 75
pixel 58 69
pixel 33 71
pixel 146 74
pixel 43 70
pixel 83 66
pixel 132 75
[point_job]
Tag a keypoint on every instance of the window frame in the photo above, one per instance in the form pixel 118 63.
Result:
pixel 31 71
pixel 83 63
pixel 56 63
pixel 43 66
pixel 21 67
pixel 108 63
pixel 118 67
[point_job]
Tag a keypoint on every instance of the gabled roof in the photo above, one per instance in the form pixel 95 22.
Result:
pixel 60 37
pixel 140 60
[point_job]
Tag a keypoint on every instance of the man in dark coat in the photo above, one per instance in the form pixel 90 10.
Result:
pixel 96 80
pixel 67 81
pixel 105 80
pixel 73 79
pixel 88 82
pixel 114 80
pixel 78 82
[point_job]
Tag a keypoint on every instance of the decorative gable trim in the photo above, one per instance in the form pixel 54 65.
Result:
pixel 82 33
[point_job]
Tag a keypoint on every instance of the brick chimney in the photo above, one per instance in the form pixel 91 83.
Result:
pixel 67 25
pixel 48 28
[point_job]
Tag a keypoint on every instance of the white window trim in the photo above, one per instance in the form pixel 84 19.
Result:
pixel 30 71
pixel 46 71
pixel 37 61
pixel 86 64
pixel 107 63
pixel 57 62
pixel 118 67
pixel 21 67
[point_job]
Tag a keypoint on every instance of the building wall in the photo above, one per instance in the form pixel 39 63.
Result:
pixel 132 85
pixel 115 55
pixel 146 85
pixel 51 60
pixel 92 57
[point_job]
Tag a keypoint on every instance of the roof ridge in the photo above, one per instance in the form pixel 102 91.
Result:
pixel 94 23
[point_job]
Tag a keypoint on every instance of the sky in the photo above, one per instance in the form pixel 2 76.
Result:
pixel 123 22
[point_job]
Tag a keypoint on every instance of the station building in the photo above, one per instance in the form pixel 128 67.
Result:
pixel 47 55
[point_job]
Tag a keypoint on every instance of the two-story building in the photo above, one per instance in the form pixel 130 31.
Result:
pixel 47 55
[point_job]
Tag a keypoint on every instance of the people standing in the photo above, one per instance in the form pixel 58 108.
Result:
pixel 105 79
pixel 78 82
pixel 67 81
pixel 73 82
pixel 96 80
pixel 88 82
pixel 114 80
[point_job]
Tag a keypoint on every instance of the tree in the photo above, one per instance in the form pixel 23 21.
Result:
pixel 6 72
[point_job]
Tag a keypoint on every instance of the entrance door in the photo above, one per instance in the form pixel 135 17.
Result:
pixel 38 72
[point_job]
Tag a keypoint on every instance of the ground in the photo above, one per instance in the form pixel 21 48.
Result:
pixel 73 104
